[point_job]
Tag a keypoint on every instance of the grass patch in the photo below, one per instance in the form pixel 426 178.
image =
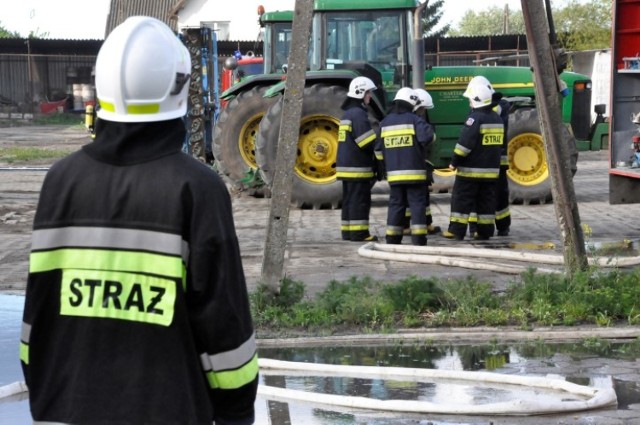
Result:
pixel 17 155
pixel 362 304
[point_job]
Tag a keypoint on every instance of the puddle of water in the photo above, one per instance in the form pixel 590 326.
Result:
pixel 589 363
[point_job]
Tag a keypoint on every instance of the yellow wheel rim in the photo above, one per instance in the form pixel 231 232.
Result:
pixel 247 140
pixel 527 159
pixel 317 149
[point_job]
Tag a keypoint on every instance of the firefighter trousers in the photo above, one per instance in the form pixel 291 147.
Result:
pixel 503 214
pixel 470 194
pixel 415 196
pixel 356 204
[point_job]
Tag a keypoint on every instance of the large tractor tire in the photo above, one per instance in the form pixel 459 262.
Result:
pixel 314 181
pixel 529 179
pixel 236 131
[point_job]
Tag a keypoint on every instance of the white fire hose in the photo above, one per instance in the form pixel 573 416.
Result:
pixel 450 256
pixel 595 397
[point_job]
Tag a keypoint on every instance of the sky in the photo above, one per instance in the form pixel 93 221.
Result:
pixel 86 19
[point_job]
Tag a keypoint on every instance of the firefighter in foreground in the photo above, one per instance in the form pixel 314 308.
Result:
pixel 403 144
pixel 476 160
pixel 136 307
pixel 355 162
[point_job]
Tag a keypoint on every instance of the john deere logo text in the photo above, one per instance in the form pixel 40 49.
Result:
pixel 117 295
pixel 450 80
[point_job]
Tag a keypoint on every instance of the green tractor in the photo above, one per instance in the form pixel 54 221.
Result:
pixel 375 38
pixel 237 125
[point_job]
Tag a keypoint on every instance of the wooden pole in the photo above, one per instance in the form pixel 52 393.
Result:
pixel 276 240
pixel 548 85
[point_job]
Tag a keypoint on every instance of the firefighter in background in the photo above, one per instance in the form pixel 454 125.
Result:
pixel 476 160
pixel 136 308
pixel 355 161
pixel 404 140
pixel 422 110
pixel 503 214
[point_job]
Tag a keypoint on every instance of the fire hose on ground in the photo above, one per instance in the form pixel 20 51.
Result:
pixel 594 397
pixel 591 398
pixel 461 257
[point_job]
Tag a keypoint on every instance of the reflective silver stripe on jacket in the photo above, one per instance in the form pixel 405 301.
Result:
pixel 231 359
pixel 353 169
pixel 404 128
pixel 25 333
pixel 109 237
pixel 366 138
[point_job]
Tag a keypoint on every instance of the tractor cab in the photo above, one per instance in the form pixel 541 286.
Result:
pixel 372 42
pixel 277 39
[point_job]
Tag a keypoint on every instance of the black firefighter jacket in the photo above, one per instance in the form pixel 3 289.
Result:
pixel 355 143
pixel 136 307
pixel 477 153
pixel 403 144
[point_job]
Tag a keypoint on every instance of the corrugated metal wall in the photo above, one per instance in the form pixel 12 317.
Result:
pixel 41 77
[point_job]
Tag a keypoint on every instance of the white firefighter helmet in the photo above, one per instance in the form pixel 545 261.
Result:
pixel 408 95
pixel 479 95
pixel 425 99
pixel 142 70
pixel 480 79
pixel 359 86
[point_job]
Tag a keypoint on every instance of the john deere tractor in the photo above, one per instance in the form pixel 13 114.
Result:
pixel 237 125
pixel 375 38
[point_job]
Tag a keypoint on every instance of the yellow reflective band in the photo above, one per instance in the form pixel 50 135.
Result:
pixel 232 379
pixel 488 175
pixel 355 227
pixel 150 108
pixel 462 220
pixel 460 152
pixel 366 141
pixel 107 106
pixel 418 231
pixel 24 352
pixel 406 177
pixel 117 295
pixel 486 220
pixel 102 259
pixel 403 131
pixel 354 175
pixel 503 215
pixel 393 232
